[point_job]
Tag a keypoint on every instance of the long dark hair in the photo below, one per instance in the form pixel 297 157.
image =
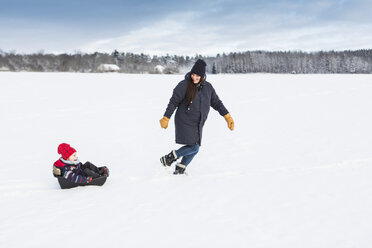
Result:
pixel 192 88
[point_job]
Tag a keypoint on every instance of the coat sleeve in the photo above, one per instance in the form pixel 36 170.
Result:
pixel 217 104
pixel 178 95
pixel 74 176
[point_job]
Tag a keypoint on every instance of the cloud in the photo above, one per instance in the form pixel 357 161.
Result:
pixel 214 27
pixel 175 34
pixel 195 32
pixel 315 38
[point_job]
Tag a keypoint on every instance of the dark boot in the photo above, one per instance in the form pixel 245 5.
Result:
pixel 104 171
pixel 167 160
pixel 180 169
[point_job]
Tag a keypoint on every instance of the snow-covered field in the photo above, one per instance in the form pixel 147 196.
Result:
pixel 295 172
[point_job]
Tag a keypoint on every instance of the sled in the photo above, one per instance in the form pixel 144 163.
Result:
pixel 65 184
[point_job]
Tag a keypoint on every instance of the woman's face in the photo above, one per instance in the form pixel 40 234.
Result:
pixel 195 78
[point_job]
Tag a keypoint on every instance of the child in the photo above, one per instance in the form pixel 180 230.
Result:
pixel 69 167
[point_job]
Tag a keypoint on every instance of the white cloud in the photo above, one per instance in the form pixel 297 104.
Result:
pixel 207 33
pixel 176 34
pixel 328 37
pixel 189 33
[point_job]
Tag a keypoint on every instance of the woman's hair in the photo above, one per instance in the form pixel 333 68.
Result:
pixel 191 89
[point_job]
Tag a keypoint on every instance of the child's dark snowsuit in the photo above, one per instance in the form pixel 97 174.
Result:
pixel 78 173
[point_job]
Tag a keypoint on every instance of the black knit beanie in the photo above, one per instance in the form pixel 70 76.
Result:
pixel 199 68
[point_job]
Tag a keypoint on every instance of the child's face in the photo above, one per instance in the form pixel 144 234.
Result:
pixel 73 157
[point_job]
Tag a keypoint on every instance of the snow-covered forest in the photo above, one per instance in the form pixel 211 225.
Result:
pixel 359 61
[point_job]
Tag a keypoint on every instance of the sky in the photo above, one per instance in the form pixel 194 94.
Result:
pixel 205 27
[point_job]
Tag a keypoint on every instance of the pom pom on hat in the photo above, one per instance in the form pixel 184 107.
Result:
pixel 65 150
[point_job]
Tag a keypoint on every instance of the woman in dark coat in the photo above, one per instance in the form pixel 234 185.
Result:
pixel 193 98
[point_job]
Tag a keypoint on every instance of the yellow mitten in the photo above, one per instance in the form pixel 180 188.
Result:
pixel 230 121
pixel 164 122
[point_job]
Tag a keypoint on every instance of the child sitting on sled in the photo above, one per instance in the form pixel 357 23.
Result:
pixel 70 168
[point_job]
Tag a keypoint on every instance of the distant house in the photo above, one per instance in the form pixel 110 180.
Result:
pixel 4 68
pixel 108 68
pixel 159 69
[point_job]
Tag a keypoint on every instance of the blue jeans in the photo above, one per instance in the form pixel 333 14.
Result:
pixel 187 153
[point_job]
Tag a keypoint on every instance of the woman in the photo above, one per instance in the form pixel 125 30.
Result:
pixel 192 97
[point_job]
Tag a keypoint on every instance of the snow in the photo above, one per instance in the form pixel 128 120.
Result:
pixel 295 172
pixel 159 69
pixel 108 68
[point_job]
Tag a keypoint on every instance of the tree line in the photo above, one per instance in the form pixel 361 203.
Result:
pixel 358 61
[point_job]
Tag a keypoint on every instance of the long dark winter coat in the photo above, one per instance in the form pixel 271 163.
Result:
pixel 189 121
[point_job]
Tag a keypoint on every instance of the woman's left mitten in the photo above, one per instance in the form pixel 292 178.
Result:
pixel 230 121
